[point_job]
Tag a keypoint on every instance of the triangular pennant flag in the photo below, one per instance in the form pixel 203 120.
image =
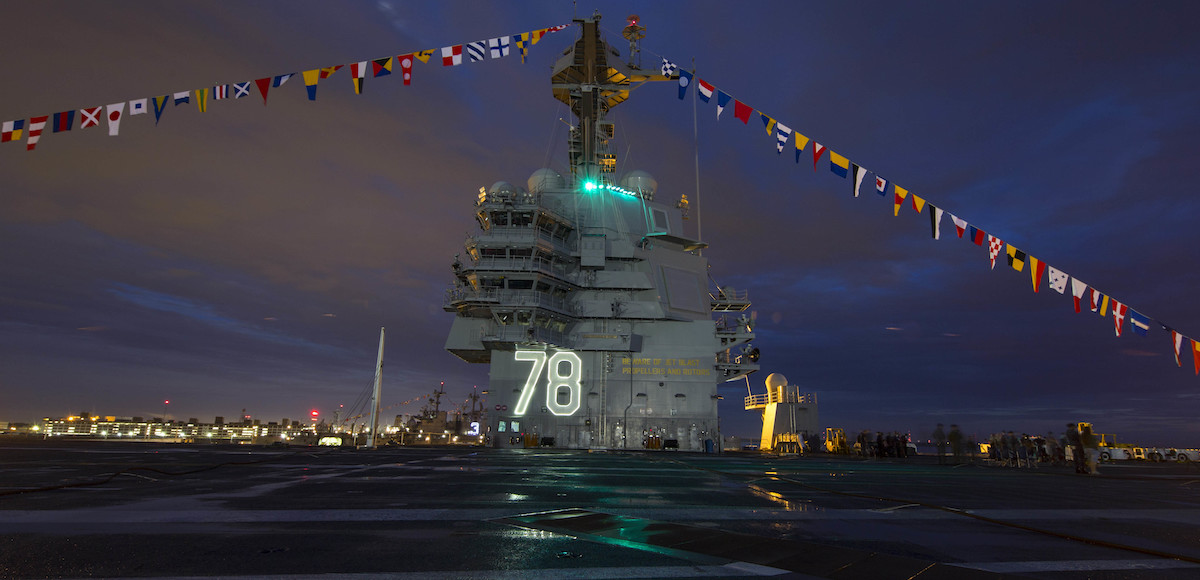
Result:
pixel 782 133
pixel 918 203
pixel 959 224
pixel 183 97
pixel 63 121
pixel 1139 322
pixel 685 82
pixel 160 103
pixel 818 150
pixel 329 70
pixel 1177 342
pixel 900 194
pixel 202 100
pixel 839 165
pixel 36 124
pixel 994 246
pixel 243 89
pixel 424 55
pixel 723 99
pixel 264 85
pixel 768 122
pixel 537 35
pixel 406 62
pixel 1058 279
pixel 89 117
pixel 935 221
pixel 1119 311
pixel 1016 258
pixel 137 107
pixel 358 74
pixel 477 50
pixel 278 80
pixel 706 90
pixel 1196 355
pixel 859 174
pixel 742 111
pixel 11 130
pixel 801 143
pixel 880 185
pixel 499 46
pixel 1077 290
pixel 977 235
pixel 452 55
pixel 115 111
pixel 310 82
pixel 1037 270
pixel 1096 300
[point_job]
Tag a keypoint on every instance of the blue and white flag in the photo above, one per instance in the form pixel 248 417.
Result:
pixel 1140 322
pixel 782 133
pixel 685 82
pixel 722 100
pixel 499 46
pixel 137 107
pixel 183 97
pixel 241 90
pixel 477 50
pixel 669 68
pixel 280 79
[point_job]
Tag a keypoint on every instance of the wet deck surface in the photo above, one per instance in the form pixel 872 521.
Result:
pixel 191 511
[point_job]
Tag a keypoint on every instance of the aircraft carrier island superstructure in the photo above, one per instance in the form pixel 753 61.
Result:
pixel 586 297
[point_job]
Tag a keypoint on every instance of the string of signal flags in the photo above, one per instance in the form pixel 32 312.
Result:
pixel 113 114
pixel 841 166
pixel 500 47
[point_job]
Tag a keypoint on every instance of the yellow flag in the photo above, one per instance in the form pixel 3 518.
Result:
pixel 537 35
pixel 1104 306
pixel 801 143
pixel 901 193
pixel 424 55
pixel 918 203
pixel 202 99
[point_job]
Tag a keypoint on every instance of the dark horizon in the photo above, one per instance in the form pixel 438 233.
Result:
pixel 246 257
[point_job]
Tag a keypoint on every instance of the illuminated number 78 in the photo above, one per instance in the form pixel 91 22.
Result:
pixel 555 381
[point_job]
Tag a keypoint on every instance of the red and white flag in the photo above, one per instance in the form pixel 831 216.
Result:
pixel 1119 311
pixel 452 55
pixel 1177 339
pixel 89 117
pixel 706 90
pixel 994 246
pixel 115 111
pixel 959 224
pixel 1077 290
pixel 406 62
pixel 818 150
pixel 36 124
pixel 1096 300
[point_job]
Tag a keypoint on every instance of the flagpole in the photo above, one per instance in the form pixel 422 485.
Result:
pixel 696 147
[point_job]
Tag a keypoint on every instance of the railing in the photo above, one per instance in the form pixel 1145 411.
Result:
pixel 787 394
pixel 506 298
pixel 524 264
pixel 522 333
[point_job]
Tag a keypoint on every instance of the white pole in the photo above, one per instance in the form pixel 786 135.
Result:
pixel 375 396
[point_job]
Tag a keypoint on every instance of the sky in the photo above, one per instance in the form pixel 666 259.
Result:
pixel 246 257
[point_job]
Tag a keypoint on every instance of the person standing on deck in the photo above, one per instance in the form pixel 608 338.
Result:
pixel 939 439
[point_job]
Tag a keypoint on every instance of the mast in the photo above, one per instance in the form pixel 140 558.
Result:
pixel 375 395
pixel 591 79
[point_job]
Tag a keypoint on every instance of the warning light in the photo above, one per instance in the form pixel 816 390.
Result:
pixel 314 414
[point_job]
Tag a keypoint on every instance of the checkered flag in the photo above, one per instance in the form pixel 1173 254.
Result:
pixel 669 69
